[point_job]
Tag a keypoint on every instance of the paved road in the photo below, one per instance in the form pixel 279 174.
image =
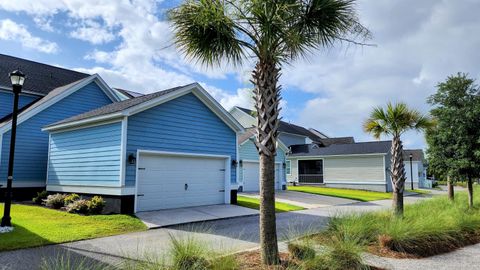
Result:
pixel 226 235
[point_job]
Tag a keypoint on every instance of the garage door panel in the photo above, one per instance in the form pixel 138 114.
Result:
pixel 162 181
pixel 251 176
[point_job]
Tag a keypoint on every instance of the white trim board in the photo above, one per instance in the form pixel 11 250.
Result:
pixel 40 106
pixel 327 156
pixel 123 151
pixel 228 162
pixel 119 191
pixel 195 88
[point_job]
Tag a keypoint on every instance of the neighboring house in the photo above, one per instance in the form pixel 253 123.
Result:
pixel 170 149
pixel 249 167
pixel 288 135
pixel 361 165
pixel 50 94
pixel 249 173
pixel 419 169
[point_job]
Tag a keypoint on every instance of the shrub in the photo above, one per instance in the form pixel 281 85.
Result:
pixel 78 207
pixel 301 251
pixel 71 198
pixel 41 196
pixel 55 201
pixel 96 205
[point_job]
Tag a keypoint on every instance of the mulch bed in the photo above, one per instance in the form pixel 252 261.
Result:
pixel 251 260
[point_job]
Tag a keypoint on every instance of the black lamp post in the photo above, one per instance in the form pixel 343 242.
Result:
pixel 17 78
pixel 411 170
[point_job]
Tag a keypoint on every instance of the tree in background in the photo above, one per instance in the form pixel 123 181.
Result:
pixel 456 108
pixel 393 121
pixel 272 33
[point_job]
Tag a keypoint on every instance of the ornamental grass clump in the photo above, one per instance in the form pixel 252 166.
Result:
pixel 428 228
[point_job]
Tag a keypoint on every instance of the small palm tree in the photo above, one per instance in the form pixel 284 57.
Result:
pixel 394 121
pixel 271 33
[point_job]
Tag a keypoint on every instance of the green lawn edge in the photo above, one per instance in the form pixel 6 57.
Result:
pixel 254 203
pixel 39 226
pixel 352 194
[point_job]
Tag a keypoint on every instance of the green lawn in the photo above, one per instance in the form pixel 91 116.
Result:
pixel 38 226
pixel 359 195
pixel 254 203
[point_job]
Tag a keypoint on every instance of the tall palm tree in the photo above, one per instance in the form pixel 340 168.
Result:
pixel 272 33
pixel 393 121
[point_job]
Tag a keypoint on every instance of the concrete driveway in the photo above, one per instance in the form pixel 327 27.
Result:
pixel 169 217
pixel 305 200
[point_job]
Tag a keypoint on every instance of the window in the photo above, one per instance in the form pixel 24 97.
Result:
pixel 288 168
pixel 310 171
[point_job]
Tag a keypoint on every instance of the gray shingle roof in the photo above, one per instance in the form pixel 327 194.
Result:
pixel 116 107
pixel 41 78
pixel 380 147
pixel 288 127
pixel 417 154
pixel 336 140
pixel 128 93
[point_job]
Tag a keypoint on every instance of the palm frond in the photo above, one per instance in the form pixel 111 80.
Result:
pixel 395 119
pixel 204 32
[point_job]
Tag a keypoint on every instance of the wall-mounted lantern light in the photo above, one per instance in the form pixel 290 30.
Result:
pixel 284 165
pixel 132 159
pixel 241 163
pixel 234 163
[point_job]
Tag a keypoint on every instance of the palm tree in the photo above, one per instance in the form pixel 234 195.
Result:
pixel 271 33
pixel 394 121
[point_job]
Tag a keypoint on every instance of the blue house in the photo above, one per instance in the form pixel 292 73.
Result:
pixel 170 149
pixel 50 94
pixel 288 135
pixel 249 171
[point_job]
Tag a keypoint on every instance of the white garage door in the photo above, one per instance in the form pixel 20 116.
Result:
pixel 251 176
pixel 166 182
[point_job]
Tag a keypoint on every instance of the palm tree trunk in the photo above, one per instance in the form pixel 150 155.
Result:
pixel 470 192
pixel 267 99
pixel 450 187
pixel 398 175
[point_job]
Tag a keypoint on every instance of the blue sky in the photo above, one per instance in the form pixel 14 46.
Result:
pixel 419 43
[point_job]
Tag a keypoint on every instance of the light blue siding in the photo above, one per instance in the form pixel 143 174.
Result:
pixel 6 102
pixel 89 156
pixel 290 139
pixel 185 125
pixel 248 151
pixel 31 150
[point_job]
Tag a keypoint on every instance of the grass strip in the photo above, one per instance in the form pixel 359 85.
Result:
pixel 353 194
pixel 254 203
pixel 38 226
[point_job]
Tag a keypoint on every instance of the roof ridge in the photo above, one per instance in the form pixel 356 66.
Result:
pixel 44 64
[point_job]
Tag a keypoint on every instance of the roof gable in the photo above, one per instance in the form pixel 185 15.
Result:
pixel 135 105
pixel 56 95
pixel 41 78
pixel 286 127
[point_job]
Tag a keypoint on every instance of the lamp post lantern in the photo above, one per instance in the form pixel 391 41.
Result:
pixel 17 79
pixel 411 170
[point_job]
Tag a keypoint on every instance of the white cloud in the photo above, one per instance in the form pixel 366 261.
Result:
pixel 93 32
pixel 44 23
pixel 419 45
pixel 10 30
